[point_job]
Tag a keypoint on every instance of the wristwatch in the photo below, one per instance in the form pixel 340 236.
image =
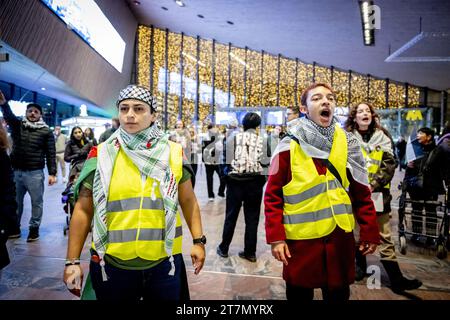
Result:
pixel 201 240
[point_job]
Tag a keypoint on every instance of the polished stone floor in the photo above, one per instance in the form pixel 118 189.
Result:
pixel 36 269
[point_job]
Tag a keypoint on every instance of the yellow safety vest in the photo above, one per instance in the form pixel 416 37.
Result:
pixel 315 204
pixel 373 162
pixel 135 221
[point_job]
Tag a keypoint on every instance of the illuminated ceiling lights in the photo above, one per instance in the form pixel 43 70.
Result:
pixel 180 3
pixel 367 18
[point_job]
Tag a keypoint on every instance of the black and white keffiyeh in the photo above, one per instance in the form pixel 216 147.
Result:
pixel 139 93
pixel 34 125
pixel 316 141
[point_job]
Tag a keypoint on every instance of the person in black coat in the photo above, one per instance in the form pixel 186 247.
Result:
pixel 424 182
pixel 33 147
pixel 8 205
pixel 77 150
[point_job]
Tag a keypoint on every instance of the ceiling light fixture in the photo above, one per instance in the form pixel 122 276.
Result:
pixel 43 89
pixel 366 10
pixel 180 3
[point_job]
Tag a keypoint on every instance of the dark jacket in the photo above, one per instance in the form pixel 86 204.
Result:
pixel 8 205
pixel 105 135
pixel 32 147
pixel 429 168
pixel 76 154
pixel 442 158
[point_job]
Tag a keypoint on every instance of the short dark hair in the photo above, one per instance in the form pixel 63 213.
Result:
pixel 35 105
pixel 427 131
pixel 251 121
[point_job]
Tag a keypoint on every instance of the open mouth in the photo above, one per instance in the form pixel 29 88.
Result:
pixel 365 119
pixel 325 113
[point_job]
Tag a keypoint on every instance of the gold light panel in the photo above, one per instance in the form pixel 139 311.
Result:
pixel 396 95
pixel 255 95
pixel 237 75
pixel 143 67
pixel 413 96
pixel 377 93
pixel 340 86
pixel 205 74
pixel 269 92
pixel 358 90
pixel 304 78
pixel 287 82
pixel 221 79
pixel 174 78
pixel 323 75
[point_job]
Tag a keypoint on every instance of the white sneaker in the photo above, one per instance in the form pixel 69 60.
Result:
pixel 211 199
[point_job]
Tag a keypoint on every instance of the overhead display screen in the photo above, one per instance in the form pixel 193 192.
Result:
pixel 86 19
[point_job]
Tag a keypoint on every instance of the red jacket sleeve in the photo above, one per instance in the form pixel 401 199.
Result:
pixel 279 175
pixel 364 211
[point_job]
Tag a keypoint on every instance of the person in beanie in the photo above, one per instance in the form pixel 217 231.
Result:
pixel 129 189
pixel 378 151
pixel 317 188
pixel 33 147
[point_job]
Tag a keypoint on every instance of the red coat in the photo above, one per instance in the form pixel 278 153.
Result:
pixel 326 261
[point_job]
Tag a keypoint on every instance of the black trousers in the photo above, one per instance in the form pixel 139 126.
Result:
pixel 249 193
pixel 294 293
pixel 210 169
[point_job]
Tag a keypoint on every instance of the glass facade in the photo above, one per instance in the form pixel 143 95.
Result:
pixel 53 110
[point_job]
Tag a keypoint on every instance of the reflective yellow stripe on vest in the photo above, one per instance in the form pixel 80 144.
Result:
pixel 315 204
pixel 135 219
pixel 373 163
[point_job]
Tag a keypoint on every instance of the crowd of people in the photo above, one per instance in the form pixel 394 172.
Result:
pixel 325 190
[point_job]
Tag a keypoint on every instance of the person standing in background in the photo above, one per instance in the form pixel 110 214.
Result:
pixel 245 181
pixel 89 135
pixel 33 147
pixel 108 132
pixel 8 204
pixel 60 146
pixel 378 151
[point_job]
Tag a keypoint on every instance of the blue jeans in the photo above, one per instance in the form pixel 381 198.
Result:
pixel 33 183
pixel 150 284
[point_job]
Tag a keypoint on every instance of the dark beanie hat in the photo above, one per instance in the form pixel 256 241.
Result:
pixel 35 105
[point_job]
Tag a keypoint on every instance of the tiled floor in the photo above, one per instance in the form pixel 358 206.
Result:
pixel 36 269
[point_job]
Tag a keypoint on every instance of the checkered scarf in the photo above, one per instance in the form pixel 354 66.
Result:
pixel 377 140
pixel 317 141
pixel 149 150
pixel 34 125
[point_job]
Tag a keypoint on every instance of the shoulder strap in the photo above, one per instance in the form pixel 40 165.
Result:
pixel 329 165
